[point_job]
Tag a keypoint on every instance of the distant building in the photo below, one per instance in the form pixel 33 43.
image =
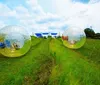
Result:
pixel 54 35
pixel 45 34
pixel 39 35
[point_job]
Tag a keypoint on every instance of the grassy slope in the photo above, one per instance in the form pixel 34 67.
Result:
pixel 51 63
pixel 91 51
pixel 71 68
pixel 24 70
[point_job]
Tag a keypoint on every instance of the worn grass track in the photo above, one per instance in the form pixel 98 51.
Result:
pixel 49 62
pixel 27 69
pixel 71 68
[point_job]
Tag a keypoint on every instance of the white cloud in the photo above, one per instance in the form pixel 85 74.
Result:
pixel 32 2
pixel 80 14
pixel 6 11
pixel 23 14
pixel 67 14
pixel 35 7
pixel 1 24
pixel 94 1
pixel 31 19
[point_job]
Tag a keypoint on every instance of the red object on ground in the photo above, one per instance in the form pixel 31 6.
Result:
pixel 65 37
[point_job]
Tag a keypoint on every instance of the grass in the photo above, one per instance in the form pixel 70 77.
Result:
pixel 23 70
pixel 72 68
pixel 49 62
pixel 91 50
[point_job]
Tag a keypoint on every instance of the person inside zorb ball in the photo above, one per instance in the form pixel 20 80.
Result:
pixel 14 41
pixel 74 38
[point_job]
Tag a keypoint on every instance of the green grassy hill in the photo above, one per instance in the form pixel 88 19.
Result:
pixel 49 62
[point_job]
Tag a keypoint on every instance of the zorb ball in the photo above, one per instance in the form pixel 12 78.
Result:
pixel 14 41
pixel 74 38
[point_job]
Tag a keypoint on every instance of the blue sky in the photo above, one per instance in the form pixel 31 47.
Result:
pixel 13 3
pixel 50 15
pixel 83 1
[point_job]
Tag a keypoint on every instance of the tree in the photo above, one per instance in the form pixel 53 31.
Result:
pixel 49 36
pixel 97 36
pixel 89 33
pixel 59 36
pixel 45 37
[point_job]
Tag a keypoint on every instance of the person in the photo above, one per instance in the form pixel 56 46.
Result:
pixel 2 45
pixel 16 46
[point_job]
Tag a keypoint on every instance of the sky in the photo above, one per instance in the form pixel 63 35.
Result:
pixel 50 15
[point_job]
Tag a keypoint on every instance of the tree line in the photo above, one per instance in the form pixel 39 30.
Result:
pixel 91 34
